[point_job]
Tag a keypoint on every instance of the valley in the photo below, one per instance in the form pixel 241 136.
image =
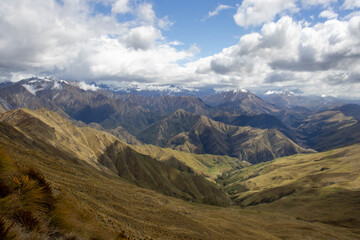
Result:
pixel 105 165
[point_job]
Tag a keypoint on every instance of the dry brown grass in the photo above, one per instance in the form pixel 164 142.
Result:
pixel 91 204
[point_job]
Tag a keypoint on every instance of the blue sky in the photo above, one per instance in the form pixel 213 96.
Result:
pixel 311 45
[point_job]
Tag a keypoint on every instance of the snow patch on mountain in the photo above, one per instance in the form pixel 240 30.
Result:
pixel 32 89
pixel 36 84
pixel 238 90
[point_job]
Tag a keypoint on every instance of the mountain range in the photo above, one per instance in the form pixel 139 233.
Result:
pixel 64 181
pixel 157 119
pixel 81 162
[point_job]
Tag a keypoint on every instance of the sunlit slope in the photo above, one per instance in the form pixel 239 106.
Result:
pixel 55 135
pixel 43 126
pixel 322 187
pixel 208 165
pixel 189 132
pixel 102 205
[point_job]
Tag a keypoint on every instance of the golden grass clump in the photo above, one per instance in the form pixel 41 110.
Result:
pixel 6 232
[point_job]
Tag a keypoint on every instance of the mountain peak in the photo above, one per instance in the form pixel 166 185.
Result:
pixel 36 84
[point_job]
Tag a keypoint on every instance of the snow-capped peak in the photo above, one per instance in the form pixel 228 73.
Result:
pixel 241 90
pixel 232 90
pixel 36 84
pixel 143 88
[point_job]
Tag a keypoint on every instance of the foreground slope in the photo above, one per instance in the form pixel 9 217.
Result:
pixel 319 187
pixel 52 133
pixel 92 204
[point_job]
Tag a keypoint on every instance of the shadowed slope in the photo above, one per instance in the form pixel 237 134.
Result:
pixel 330 129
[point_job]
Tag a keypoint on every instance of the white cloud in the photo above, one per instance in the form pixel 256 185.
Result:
pixel 70 42
pixel 329 14
pixel 217 10
pixel 176 43
pixel 121 6
pixel 87 87
pixel 351 4
pixel 308 3
pixel 256 12
pixel 288 53
pixel 146 13
pixel 142 37
pixel 164 23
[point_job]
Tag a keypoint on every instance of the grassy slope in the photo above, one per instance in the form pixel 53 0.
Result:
pixel 246 143
pixel 48 131
pixel 330 129
pixel 108 205
pixel 208 165
pixel 322 187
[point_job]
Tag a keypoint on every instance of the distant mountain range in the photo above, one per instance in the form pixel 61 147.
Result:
pixel 236 123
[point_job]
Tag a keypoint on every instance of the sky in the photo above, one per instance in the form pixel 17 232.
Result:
pixel 310 45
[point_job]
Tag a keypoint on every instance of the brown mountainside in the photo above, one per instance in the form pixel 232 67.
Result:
pixel 198 134
pixel 48 131
pixel 90 204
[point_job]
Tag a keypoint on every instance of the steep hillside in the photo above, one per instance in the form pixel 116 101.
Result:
pixel 210 166
pixel 198 134
pixel 330 129
pixel 48 131
pixel 91 204
pixel 239 102
pixel 319 187
pixel 161 131
pixel 121 133
pixel 48 128
pixel 263 121
pixel 352 110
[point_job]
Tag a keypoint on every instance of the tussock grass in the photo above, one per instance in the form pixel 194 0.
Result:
pixel 29 209
pixel 6 233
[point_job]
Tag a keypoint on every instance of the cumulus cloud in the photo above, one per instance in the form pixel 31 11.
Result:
pixel 351 4
pixel 69 41
pixel 287 52
pixel 142 37
pixel 329 14
pixel 256 12
pixel 146 13
pixel 121 6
